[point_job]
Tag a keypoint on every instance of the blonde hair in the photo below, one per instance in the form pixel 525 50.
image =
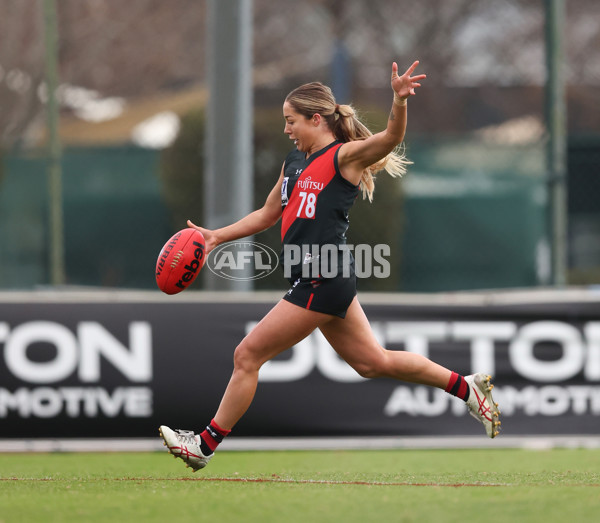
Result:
pixel 313 98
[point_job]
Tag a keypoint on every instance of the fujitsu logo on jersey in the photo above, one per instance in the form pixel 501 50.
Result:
pixel 308 184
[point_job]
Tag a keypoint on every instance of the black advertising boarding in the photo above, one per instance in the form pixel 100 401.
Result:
pixel 122 368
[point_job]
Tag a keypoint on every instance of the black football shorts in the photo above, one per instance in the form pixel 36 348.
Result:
pixel 327 295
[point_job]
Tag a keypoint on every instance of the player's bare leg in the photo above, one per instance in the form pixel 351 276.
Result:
pixel 353 340
pixel 284 326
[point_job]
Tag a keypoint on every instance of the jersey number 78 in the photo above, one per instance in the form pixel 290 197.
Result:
pixel 307 206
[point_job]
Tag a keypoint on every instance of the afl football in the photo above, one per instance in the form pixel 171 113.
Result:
pixel 180 261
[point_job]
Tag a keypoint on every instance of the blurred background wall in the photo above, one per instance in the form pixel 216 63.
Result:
pixel 472 213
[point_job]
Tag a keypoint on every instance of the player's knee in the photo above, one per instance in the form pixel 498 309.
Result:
pixel 374 367
pixel 371 368
pixel 244 357
pixel 366 371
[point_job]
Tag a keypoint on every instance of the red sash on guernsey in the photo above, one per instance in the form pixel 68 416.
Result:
pixel 302 202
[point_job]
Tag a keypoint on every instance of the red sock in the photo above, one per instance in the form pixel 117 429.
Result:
pixel 212 436
pixel 457 386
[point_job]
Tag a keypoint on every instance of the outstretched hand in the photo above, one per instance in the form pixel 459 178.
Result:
pixel 404 86
pixel 209 237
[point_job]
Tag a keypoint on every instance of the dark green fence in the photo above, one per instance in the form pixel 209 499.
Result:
pixel 475 217
pixel 114 218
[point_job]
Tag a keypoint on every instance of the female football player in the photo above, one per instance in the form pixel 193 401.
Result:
pixel 335 157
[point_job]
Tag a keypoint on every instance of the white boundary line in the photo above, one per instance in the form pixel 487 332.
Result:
pixel 325 443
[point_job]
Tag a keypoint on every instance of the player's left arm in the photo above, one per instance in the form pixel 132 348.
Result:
pixel 356 156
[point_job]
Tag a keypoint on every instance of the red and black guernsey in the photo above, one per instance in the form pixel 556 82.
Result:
pixel 316 200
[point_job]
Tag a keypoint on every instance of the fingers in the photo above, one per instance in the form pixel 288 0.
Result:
pixel 410 70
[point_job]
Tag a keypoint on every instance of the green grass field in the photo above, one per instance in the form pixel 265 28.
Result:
pixel 345 486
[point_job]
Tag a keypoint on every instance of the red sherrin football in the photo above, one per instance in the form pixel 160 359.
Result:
pixel 180 261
